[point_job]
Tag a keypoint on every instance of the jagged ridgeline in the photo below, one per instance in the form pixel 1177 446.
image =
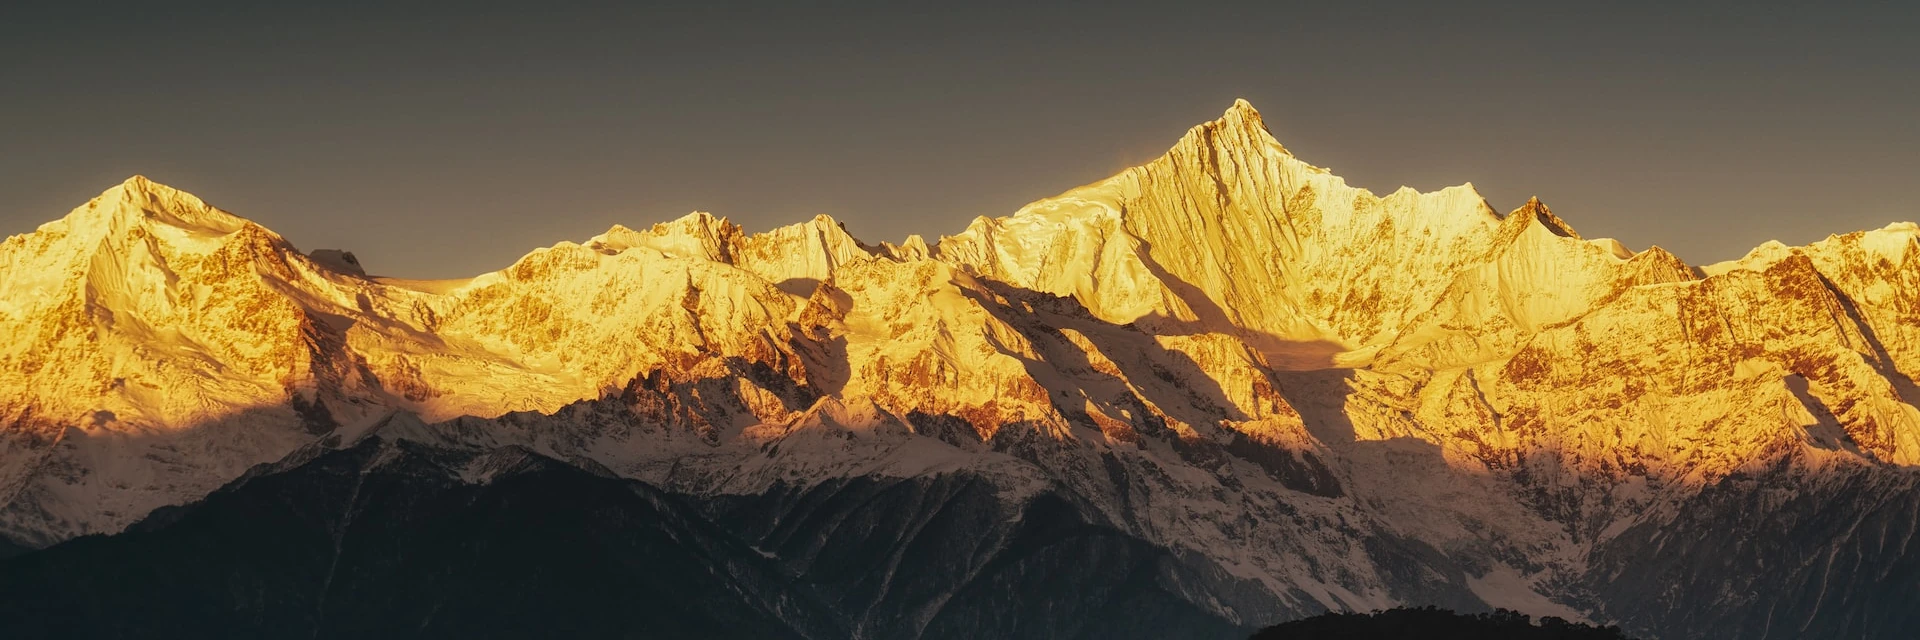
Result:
pixel 1217 391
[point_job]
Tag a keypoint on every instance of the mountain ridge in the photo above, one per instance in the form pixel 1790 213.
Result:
pixel 1355 401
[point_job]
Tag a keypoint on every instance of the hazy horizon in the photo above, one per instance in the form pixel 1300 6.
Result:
pixel 1706 131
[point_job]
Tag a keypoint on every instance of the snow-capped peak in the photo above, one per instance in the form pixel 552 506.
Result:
pixel 139 201
pixel 1240 127
pixel 1540 212
pixel 1203 330
pixel 696 235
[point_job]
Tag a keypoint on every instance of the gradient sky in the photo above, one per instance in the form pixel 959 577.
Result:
pixel 444 141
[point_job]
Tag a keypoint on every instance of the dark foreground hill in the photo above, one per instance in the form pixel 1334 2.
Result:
pixel 1428 623
pixel 396 539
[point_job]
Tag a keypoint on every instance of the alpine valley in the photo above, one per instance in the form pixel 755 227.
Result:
pixel 1215 392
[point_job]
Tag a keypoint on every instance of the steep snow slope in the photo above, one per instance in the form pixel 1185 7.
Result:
pixel 1347 400
pixel 155 348
pixel 1229 233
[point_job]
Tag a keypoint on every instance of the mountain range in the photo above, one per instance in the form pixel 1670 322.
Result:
pixel 1217 391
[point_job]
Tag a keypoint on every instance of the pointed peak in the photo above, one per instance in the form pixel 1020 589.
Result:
pixel 696 220
pixel 1240 127
pixel 821 226
pixel 915 243
pixel 1657 265
pixel 828 224
pixel 139 201
pixel 1242 110
pixel 1532 207
pixel 1657 253
pixel 142 189
pixel 139 187
pixel 699 223
pixel 1538 211
pixel 811 249
pixel 1242 116
pixel 913 248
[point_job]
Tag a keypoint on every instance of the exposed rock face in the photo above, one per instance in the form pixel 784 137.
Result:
pixel 337 260
pixel 1309 396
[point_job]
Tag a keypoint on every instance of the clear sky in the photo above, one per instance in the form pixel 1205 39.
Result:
pixel 448 139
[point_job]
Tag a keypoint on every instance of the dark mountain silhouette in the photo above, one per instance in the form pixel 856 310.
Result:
pixel 1429 623
pixel 392 538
